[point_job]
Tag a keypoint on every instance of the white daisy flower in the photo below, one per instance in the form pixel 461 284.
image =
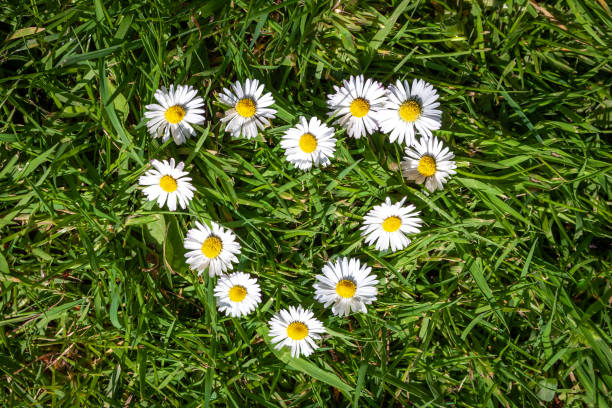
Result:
pixel 296 328
pixel 309 142
pixel 167 182
pixel 408 109
pixel 387 224
pixel 430 162
pixel 250 110
pixel 237 294
pixel 356 104
pixel 347 285
pixel 212 247
pixel 178 109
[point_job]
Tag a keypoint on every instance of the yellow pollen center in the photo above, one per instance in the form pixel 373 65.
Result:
pixel 392 224
pixel 297 331
pixel 212 247
pixel 346 288
pixel 175 114
pixel 168 184
pixel 237 293
pixel 427 166
pixel 360 107
pixel 308 143
pixel 410 110
pixel 245 107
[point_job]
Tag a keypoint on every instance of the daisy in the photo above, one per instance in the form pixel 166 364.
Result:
pixel 356 104
pixel 237 294
pixel 408 109
pixel 430 162
pixel 387 224
pixel 309 142
pixel 250 110
pixel 177 110
pixel 347 285
pixel 296 328
pixel 214 247
pixel 167 181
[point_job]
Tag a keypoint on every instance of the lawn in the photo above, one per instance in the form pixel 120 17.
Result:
pixel 502 300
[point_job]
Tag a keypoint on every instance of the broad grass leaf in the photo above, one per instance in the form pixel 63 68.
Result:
pixel 155 225
pixel 4 268
pixel 173 246
pixel 476 270
pixel 547 389
pixel 114 306
pixel 304 365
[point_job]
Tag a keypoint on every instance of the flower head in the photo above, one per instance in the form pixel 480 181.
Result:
pixel 296 328
pixel 211 247
pixel 309 143
pixel 387 225
pixel 430 162
pixel 167 183
pixel 177 110
pixel 356 105
pixel 346 285
pixel 237 294
pixel 250 109
pixel 408 109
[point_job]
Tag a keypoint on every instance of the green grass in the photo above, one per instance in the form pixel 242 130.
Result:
pixel 502 300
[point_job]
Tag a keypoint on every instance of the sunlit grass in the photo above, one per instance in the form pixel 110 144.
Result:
pixel 502 300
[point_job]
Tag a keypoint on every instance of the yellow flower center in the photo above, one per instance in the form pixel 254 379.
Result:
pixel 410 110
pixel 212 247
pixel 346 288
pixel 168 184
pixel 392 224
pixel 237 293
pixel 308 143
pixel 246 107
pixel 297 331
pixel 175 114
pixel 427 166
pixel 360 107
